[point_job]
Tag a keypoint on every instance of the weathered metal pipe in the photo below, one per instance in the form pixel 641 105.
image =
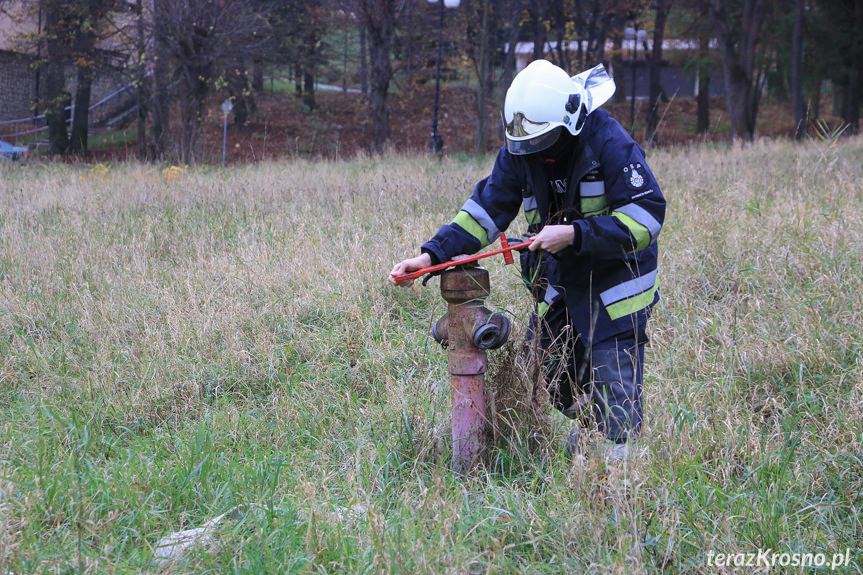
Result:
pixel 467 330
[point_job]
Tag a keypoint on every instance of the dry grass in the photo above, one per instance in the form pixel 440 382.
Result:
pixel 177 342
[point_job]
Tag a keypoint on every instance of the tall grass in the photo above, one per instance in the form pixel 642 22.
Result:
pixel 174 343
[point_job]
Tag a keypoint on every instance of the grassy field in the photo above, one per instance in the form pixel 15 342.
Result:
pixel 177 343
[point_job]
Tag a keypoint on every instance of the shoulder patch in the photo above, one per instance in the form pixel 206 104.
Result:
pixel 632 175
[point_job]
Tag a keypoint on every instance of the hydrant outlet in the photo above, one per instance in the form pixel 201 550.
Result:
pixel 492 334
pixel 440 331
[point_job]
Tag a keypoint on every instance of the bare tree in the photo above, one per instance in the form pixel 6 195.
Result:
pixel 797 103
pixel 539 12
pixel 702 114
pixel 481 29
pixel 379 19
pixel 738 30
pixel 661 9
pixel 851 111
pixel 200 39
pixel 56 39
pixel 87 17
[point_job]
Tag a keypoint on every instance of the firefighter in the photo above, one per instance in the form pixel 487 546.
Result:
pixel 595 211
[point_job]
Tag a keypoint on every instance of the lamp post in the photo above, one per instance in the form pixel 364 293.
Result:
pixel 436 139
pixel 636 36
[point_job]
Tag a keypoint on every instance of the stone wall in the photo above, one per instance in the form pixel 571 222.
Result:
pixel 17 86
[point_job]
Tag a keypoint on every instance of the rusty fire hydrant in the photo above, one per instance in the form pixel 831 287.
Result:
pixel 467 330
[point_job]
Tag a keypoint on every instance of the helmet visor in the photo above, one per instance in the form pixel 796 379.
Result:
pixel 520 126
pixel 532 145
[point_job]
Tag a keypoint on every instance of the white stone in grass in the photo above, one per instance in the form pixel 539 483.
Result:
pixel 172 547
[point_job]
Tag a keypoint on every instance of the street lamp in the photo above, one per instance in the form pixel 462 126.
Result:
pixel 636 36
pixel 436 139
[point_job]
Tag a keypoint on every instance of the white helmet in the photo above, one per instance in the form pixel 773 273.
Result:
pixel 543 100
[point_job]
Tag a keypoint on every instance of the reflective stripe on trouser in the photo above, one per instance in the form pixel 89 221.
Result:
pixel 610 372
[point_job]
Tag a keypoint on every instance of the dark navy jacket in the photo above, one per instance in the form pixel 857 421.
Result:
pixel 608 277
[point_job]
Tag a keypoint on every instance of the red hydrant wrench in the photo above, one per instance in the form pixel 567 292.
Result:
pixel 506 250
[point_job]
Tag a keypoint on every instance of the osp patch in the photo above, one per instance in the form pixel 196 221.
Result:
pixel 633 175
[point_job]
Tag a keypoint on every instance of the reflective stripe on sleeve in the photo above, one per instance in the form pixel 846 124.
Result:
pixel 531 213
pixel 631 305
pixel 638 231
pixel 591 189
pixel 478 213
pixel 470 225
pixel 595 206
pixel 643 217
pixel 628 288
pixel 630 296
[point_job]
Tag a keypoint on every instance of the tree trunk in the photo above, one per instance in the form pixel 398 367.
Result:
pixel 662 10
pixel 258 75
pixel 379 16
pixel 509 60
pixel 539 34
pixel 381 73
pixel 485 75
pixel 161 81
pixel 364 60
pixel 88 14
pixel 703 115
pixel 238 88
pixel 192 103
pixel 851 108
pixel 141 85
pixel 309 88
pixel 797 103
pixel 737 46
pixel 56 98
pixel 81 116
pixel 617 66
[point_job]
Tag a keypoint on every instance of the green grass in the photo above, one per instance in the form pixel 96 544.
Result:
pixel 112 139
pixel 176 344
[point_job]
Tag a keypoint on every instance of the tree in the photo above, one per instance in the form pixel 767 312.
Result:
pixel 596 23
pixel 661 10
pixel 56 39
pixel 482 28
pixel 68 38
pixel 797 103
pixel 300 27
pixel 738 31
pixel 851 110
pixel 196 41
pixel 87 17
pixel 687 21
pixel 702 114
pixel 379 19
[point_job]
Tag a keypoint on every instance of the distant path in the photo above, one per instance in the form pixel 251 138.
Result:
pixel 327 87
pixel 333 88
